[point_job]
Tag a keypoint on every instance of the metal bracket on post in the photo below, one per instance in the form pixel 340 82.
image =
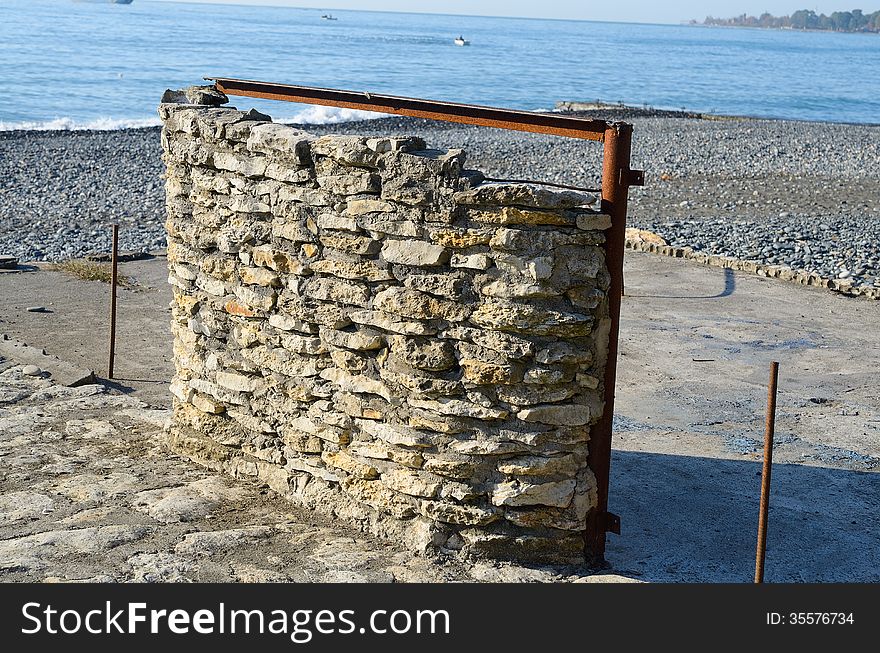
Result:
pixel 612 523
pixel 632 177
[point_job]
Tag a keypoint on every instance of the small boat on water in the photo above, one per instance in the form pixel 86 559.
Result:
pixel 329 17
pixel 461 41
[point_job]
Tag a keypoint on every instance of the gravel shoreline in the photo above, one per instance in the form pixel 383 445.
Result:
pixel 805 195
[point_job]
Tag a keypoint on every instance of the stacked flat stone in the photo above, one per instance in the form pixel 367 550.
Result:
pixel 364 326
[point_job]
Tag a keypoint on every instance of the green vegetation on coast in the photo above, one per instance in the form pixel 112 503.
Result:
pixel 839 21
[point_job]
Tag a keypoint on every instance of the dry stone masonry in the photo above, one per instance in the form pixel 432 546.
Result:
pixel 375 333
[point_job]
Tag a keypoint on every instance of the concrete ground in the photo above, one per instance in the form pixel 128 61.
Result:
pixel 695 347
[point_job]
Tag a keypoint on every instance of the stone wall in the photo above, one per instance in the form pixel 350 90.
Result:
pixel 364 326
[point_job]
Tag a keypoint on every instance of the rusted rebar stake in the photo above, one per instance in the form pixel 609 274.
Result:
pixel 114 263
pixel 765 475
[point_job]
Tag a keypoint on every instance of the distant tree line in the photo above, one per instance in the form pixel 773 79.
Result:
pixel 839 21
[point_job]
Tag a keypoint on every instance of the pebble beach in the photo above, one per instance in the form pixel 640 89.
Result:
pixel 800 194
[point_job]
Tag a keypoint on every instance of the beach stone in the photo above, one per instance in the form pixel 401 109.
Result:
pixel 31 370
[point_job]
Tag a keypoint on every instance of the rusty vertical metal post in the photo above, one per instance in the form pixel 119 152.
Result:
pixel 114 265
pixel 615 186
pixel 769 427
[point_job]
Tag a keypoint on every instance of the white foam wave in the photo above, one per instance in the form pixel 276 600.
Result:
pixel 315 115
pixel 69 124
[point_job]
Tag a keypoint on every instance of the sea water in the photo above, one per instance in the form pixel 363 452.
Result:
pixel 66 64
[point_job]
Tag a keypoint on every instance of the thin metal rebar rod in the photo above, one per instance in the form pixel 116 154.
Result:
pixel 769 427
pixel 114 265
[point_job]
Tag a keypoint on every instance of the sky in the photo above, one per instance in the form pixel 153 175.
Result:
pixel 632 11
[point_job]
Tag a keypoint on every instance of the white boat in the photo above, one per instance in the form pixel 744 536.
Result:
pixel 461 41
pixel 329 17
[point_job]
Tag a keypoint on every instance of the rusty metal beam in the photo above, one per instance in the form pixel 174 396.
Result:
pixel 616 179
pixel 469 114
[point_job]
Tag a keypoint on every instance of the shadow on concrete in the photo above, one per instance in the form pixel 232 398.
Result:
pixel 21 267
pixel 727 291
pixel 694 519
pixel 116 385
pixel 149 381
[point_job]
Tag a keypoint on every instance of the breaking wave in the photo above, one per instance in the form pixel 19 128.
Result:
pixel 313 115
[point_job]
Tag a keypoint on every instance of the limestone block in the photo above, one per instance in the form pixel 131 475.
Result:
pixel 353 182
pixel 411 482
pixel 207 404
pixel 290 323
pixel 354 383
pixel 288 174
pixel 256 297
pixel 389 322
pixel 303 344
pixel 237 382
pixel 423 353
pixel 360 245
pixel 482 373
pixel 564 465
pixel 272 138
pixel 419 305
pixel 347 150
pixel 338 222
pixel 309 426
pixel 441 285
pixel 529 395
pixel 451 468
pixel 514 215
pixel 355 270
pixel 557 414
pixel 359 207
pixel 471 261
pixel 459 408
pixel 397 434
pixel 520 493
pixel 413 252
pixel 330 289
pixel 461 238
pixel 363 339
pixel 523 318
pixel 349 464
pixel 455 514
pixel 526 195
pixel 259 277
pixel 243 165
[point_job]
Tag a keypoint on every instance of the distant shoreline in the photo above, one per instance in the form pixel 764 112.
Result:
pixel 782 29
